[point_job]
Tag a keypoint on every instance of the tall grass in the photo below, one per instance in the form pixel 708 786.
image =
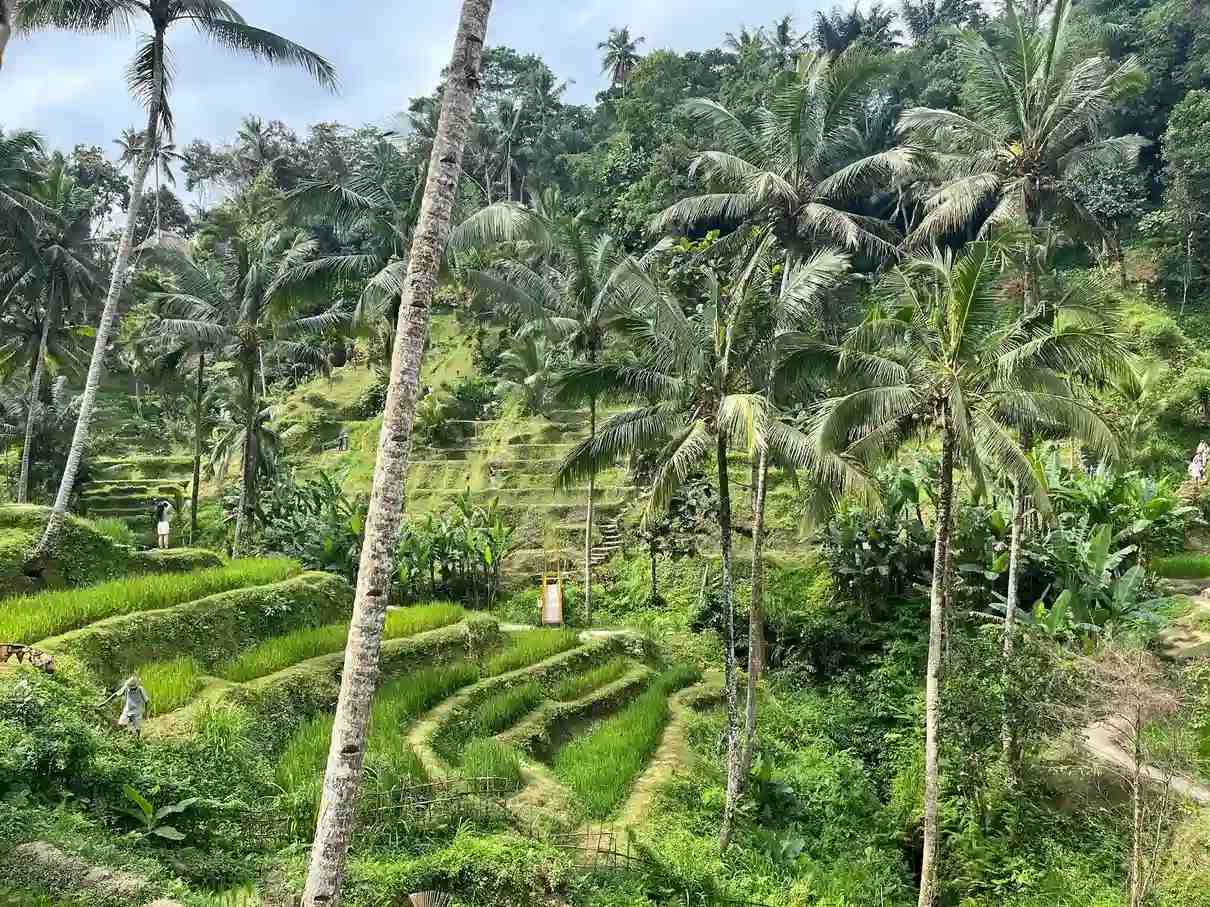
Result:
pixel 601 766
pixel 580 685
pixel 1189 565
pixel 501 711
pixel 530 647
pixel 114 529
pixel 35 617
pixel 171 683
pixel 280 652
pixel 396 703
pixel 487 758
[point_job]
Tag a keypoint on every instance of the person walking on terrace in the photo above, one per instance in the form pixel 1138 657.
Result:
pixel 134 708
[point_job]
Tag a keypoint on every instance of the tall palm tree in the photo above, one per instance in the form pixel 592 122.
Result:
pixel 149 78
pixel 20 160
pixel 620 55
pixel 1039 105
pixel 793 178
pixel 240 307
pixel 559 280
pixel 337 810
pixel 696 378
pixel 163 156
pixel 943 361
pixel 54 266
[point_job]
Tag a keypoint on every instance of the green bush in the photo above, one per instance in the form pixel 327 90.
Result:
pixel 174 560
pixel 487 758
pixel 600 766
pixel 529 647
pixel 47 614
pixel 309 642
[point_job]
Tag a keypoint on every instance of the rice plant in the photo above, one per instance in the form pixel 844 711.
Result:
pixel 36 617
pixel 114 529
pixel 1189 565
pixel 579 685
pixel 488 758
pixel 171 683
pixel 600 766
pixel 395 765
pixel 272 655
pixel 395 704
pixel 502 710
pixel 530 647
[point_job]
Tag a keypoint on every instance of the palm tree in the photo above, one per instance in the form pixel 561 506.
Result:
pixel 6 27
pixel 163 156
pixel 783 43
pixel 1039 107
pixel 793 174
pixel 619 55
pixel 943 361
pixel 698 379
pixel 337 809
pixel 53 266
pixel 20 158
pixel 149 79
pixel 241 307
pixel 559 280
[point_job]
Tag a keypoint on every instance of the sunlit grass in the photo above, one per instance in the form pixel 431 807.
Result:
pixel 171 683
pixel 580 685
pixel 36 617
pixel 601 766
pixel 529 647
pixel 280 652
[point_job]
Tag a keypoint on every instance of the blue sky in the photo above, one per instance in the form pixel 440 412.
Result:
pixel 71 88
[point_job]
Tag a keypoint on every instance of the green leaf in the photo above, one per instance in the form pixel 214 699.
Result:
pixel 144 805
pixel 168 832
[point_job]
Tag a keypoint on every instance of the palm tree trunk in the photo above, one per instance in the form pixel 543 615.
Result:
pixel 932 693
pixel 198 423
pixel 35 394
pixel 756 611
pixel 729 666
pixel 49 543
pixel 6 27
pixel 247 494
pixel 1012 602
pixel 592 487
pixel 325 877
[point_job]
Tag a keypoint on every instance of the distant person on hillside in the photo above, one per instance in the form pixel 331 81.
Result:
pixel 1199 464
pixel 134 708
pixel 163 522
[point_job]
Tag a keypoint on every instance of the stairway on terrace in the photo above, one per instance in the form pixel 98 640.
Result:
pixel 513 461
pixel 128 489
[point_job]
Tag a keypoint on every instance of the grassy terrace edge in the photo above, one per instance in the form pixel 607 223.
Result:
pixel 44 615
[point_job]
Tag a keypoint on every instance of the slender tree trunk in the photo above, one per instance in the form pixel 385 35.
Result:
pixel 592 487
pixel 247 494
pixel 49 543
pixel 198 423
pixel 35 396
pixel 654 580
pixel 6 27
pixel 729 666
pixel 1012 603
pixel 756 612
pixel 325 877
pixel 932 694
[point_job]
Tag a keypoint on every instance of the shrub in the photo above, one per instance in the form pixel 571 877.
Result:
pixel 600 766
pixel 171 683
pixel 487 758
pixel 37 617
pixel 280 652
pixel 530 647
pixel 581 685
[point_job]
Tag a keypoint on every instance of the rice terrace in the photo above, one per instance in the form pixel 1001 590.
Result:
pixel 629 455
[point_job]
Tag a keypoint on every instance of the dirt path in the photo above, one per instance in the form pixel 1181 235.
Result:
pixel 1183 639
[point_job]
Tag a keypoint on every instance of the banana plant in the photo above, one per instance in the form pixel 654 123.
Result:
pixel 152 819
